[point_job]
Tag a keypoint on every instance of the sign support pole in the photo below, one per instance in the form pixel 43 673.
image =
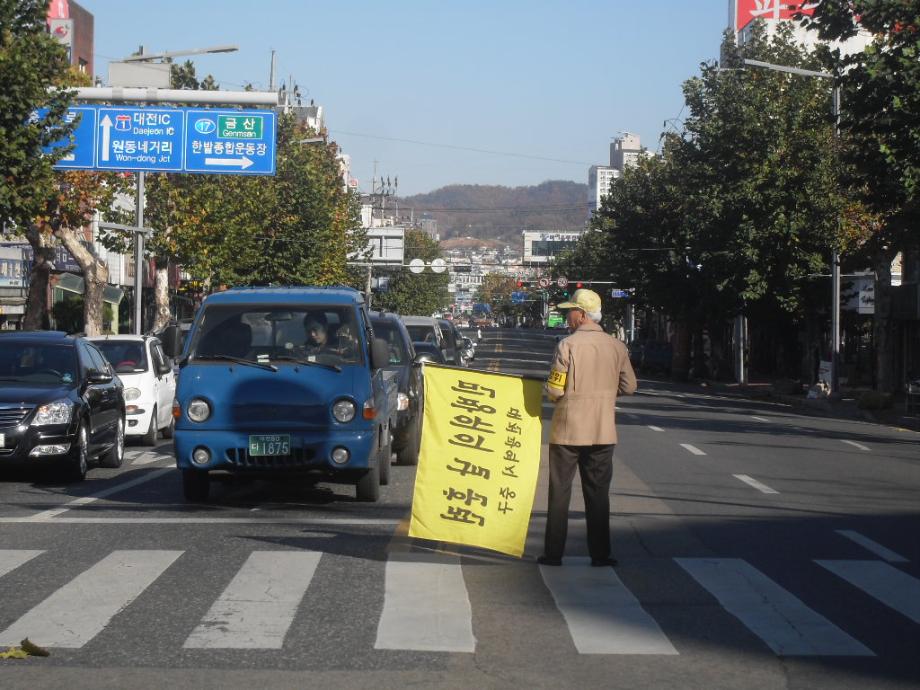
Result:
pixel 139 257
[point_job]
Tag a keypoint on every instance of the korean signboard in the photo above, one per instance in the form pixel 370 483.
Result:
pixel 479 459
pixel 749 10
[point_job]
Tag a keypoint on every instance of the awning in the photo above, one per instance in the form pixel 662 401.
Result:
pixel 71 283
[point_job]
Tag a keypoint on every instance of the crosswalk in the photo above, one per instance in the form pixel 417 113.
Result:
pixel 427 606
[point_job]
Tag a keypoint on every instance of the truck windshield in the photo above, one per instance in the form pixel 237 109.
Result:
pixel 267 333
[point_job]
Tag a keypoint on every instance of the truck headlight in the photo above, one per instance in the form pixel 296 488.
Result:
pixel 344 411
pixel 57 412
pixel 132 393
pixel 198 410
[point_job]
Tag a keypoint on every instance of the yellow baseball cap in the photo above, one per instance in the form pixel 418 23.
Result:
pixel 586 300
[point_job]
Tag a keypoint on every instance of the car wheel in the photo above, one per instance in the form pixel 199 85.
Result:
pixel 150 438
pixel 78 464
pixel 116 456
pixel 383 461
pixel 170 430
pixel 196 485
pixel 408 454
pixel 367 489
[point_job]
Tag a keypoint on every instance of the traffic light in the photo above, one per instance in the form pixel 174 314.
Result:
pixel 579 285
pixel 520 283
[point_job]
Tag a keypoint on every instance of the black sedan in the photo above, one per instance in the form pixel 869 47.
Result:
pixel 60 404
pixel 407 434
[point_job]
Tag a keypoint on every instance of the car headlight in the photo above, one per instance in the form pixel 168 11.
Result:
pixel 198 410
pixel 344 411
pixel 132 393
pixel 57 412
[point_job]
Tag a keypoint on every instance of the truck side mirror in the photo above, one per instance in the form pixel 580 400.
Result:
pixel 380 353
pixel 170 339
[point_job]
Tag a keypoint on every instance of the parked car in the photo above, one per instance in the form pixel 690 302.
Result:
pixel 453 343
pixel 424 329
pixel 650 356
pixel 285 382
pixel 60 404
pixel 150 384
pixel 408 429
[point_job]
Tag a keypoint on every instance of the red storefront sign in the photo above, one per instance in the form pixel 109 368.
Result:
pixel 749 10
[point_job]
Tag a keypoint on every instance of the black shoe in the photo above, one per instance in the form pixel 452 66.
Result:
pixel 546 560
pixel 604 562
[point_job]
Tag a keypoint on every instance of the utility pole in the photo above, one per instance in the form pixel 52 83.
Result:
pixel 271 74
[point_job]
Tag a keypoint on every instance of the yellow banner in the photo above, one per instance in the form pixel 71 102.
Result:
pixel 479 459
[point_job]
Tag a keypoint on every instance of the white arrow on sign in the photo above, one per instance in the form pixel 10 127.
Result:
pixel 242 163
pixel 106 125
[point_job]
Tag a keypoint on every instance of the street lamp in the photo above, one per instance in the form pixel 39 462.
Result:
pixel 835 255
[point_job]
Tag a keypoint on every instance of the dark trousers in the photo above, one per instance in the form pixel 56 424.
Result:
pixel 595 465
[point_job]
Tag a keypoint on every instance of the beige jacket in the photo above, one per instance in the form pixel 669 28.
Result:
pixel 589 370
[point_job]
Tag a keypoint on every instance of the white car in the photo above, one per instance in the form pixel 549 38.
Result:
pixel 149 380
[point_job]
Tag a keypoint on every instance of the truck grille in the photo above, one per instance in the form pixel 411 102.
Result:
pixel 298 458
pixel 13 416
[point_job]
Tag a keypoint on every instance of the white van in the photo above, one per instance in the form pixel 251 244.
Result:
pixel 150 384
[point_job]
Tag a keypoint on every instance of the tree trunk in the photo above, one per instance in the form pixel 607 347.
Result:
pixel 883 324
pixel 36 316
pixel 680 351
pixel 161 294
pixel 95 278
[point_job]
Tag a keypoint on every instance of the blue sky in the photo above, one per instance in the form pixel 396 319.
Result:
pixel 549 79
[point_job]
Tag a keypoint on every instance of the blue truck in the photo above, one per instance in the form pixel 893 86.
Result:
pixel 278 382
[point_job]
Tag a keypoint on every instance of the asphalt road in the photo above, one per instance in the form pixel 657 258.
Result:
pixel 759 548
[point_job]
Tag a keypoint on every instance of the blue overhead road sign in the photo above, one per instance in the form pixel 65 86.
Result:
pixel 84 138
pixel 234 142
pixel 240 142
pixel 140 139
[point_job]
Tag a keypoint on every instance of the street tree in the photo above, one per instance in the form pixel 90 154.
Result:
pixel 880 124
pixel 416 293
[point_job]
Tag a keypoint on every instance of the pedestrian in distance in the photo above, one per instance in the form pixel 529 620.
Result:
pixel 590 369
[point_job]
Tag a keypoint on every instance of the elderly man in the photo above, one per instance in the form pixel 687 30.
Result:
pixel 589 370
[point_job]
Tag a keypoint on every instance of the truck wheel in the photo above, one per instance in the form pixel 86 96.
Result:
pixel 408 454
pixel 195 486
pixel 383 462
pixel 116 455
pixel 367 489
pixel 150 438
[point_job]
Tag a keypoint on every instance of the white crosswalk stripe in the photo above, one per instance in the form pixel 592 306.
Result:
pixel 776 616
pixel 77 612
pixel 427 606
pixel 894 588
pixel 603 616
pixel 10 559
pixel 256 609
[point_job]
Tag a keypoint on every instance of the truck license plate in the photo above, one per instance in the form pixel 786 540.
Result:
pixel 275 444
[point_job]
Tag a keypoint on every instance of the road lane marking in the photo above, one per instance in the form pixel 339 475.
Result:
pixel 874 547
pixel 692 449
pixel 760 419
pixel 10 559
pixel 655 428
pixel 854 444
pixel 884 582
pixel 602 615
pixel 147 458
pixel 750 481
pixel 84 500
pixel 426 606
pixel 115 520
pixel 258 606
pixel 773 614
pixel 77 612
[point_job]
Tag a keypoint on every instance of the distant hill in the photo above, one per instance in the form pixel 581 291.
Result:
pixel 493 212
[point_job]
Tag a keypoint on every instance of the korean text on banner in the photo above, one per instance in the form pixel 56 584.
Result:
pixel 479 459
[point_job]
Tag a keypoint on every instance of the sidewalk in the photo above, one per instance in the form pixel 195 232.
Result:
pixel 844 407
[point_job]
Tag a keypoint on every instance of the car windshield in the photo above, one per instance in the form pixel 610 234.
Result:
pixel 267 333
pixel 41 364
pixel 389 331
pixel 422 334
pixel 127 356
